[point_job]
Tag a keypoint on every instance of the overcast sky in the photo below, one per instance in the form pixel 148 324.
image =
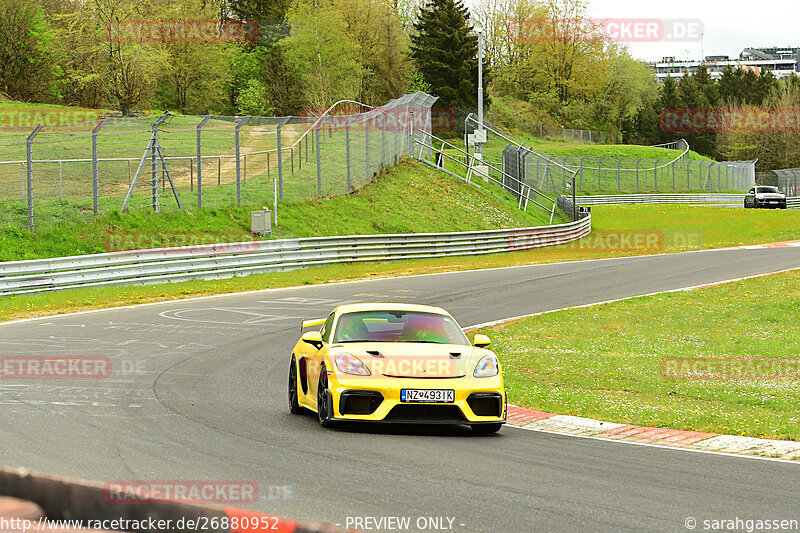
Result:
pixel 729 26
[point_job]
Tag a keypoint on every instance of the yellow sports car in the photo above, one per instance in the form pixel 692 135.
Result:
pixel 396 363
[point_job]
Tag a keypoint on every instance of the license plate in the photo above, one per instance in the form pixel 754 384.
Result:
pixel 428 395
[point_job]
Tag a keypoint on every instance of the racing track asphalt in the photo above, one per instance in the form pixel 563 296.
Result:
pixel 208 402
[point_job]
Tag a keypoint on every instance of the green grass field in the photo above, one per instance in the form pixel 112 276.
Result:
pixel 409 198
pixel 647 361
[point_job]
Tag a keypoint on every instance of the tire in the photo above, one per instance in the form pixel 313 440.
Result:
pixel 294 405
pixel 324 407
pixel 486 429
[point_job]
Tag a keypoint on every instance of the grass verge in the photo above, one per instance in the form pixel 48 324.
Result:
pixel 409 198
pixel 716 360
pixel 677 228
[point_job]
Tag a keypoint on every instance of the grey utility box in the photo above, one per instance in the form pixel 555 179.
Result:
pixel 261 222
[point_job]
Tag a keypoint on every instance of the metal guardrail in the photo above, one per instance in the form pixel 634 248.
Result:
pixel 793 202
pixel 623 199
pixel 219 261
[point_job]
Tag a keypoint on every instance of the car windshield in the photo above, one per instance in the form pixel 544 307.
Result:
pixel 762 190
pixel 398 326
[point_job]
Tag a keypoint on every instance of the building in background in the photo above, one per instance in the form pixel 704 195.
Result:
pixel 781 61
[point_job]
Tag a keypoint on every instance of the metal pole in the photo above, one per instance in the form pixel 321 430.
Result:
pixel 637 174
pixel 574 201
pixel 319 163
pixel 383 140
pixel 368 170
pixel 29 164
pixel 280 156
pixel 347 155
pixel 480 84
pixel 154 174
pixel 655 174
pixel 60 184
pixel 239 123
pixel 200 160
pixel 96 169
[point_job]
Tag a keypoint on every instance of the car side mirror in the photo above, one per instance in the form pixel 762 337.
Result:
pixel 313 338
pixel 481 341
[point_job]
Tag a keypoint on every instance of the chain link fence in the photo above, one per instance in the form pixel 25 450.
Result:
pixel 787 180
pixel 570 135
pixel 55 174
pixel 603 174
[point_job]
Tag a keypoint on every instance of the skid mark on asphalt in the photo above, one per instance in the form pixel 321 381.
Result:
pixel 235 316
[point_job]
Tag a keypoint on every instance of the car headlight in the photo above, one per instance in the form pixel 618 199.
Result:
pixel 487 367
pixel 350 364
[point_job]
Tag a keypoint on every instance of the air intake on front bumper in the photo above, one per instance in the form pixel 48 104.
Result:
pixel 359 402
pixel 486 403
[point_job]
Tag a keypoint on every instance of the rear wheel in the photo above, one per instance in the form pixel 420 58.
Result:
pixel 324 407
pixel 486 429
pixel 294 404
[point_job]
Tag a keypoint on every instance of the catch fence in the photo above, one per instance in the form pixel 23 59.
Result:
pixel 53 174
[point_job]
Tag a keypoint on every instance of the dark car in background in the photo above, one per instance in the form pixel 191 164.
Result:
pixel 765 197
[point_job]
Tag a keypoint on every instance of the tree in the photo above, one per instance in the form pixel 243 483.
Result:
pixel 445 50
pixel 375 27
pixel 322 53
pixel 27 69
pixel 196 74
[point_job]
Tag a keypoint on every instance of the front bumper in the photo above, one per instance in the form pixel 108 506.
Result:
pixel 377 399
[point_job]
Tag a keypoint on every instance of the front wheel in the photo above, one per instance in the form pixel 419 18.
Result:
pixel 294 404
pixel 486 429
pixel 324 407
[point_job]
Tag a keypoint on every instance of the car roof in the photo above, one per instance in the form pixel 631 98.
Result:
pixel 352 308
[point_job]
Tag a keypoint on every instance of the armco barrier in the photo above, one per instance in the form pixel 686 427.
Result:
pixel 793 202
pixel 74 499
pixel 218 261
pixel 697 198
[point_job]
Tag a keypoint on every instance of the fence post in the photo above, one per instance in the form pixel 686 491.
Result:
pixel 347 154
pixel 619 171
pixel 600 172
pixel 655 174
pixel 396 143
pixel 319 161
pixel 280 156
pixel 29 165
pixel 383 140
pixel 638 161
pixel 368 171
pixel 239 123
pixel 582 159
pixel 95 169
pixel 200 160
